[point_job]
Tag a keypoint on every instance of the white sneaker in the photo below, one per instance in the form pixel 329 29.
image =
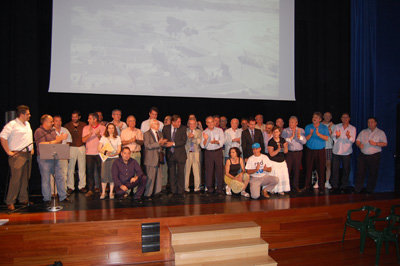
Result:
pixel 245 194
pixel 315 185
pixel 328 185
pixel 228 191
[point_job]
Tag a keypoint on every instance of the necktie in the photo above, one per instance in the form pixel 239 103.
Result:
pixel 173 140
pixel 191 143
pixel 252 135
pixel 155 135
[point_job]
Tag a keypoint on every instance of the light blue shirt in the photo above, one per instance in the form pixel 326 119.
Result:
pixel 366 135
pixel 343 145
pixel 295 144
pixel 215 134
pixel 315 142
pixel 230 134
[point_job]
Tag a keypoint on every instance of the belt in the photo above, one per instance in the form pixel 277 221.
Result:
pixel 215 150
pixel 296 151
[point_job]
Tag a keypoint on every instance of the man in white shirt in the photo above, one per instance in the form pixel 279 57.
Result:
pixel 233 137
pixel 370 141
pixel 17 141
pixel 343 135
pixel 63 163
pixel 132 138
pixel 258 167
pixel 212 140
pixel 153 113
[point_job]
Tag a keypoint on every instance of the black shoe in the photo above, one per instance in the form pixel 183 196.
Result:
pixel 83 190
pixel 66 200
pixel 147 199
pixel 138 201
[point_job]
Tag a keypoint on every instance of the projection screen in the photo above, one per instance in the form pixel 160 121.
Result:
pixel 186 48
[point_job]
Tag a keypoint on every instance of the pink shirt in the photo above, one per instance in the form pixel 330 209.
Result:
pixel 93 141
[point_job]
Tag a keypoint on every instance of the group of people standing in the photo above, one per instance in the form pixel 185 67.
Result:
pixel 116 159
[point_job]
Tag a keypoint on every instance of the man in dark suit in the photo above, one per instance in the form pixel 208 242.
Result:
pixel 176 154
pixel 153 142
pixel 250 136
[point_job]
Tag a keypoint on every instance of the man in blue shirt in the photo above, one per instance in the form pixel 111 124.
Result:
pixel 316 135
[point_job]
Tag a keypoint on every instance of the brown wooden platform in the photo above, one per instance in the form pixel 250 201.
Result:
pixel 112 236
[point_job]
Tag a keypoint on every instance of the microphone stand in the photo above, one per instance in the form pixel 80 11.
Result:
pixel 54 208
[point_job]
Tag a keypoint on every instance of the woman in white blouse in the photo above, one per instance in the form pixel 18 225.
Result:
pixel 109 149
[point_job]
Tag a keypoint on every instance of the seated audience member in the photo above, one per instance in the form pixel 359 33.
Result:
pixel 153 113
pixel 260 122
pixel 233 137
pixel 193 155
pixel 153 142
pixel 235 176
pixel 132 138
pixel 91 135
pixel 258 166
pixel 46 134
pixel 267 134
pixel 110 146
pixel 223 121
pixel 277 148
pixel 370 142
pixel 120 125
pixel 127 174
pixel 249 137
pixel 280 123
pixel 244 123
pixel 295 138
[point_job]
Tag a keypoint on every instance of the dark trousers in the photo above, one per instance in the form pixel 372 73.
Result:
pixel 364 163
pixel 315 159
pixel 140 183
pixel 346 162
pixel 20 166
pixel 213 161
pixel 176 175
pixel 93 164
pixel 293 161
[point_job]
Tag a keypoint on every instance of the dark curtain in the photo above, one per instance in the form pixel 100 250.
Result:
pixel 363 61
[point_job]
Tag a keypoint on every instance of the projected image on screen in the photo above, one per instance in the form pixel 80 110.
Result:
pixel 220 48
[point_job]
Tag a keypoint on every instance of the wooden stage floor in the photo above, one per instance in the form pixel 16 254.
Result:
pixel 101 232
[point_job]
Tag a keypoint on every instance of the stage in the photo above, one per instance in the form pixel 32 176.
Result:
pixel 98 232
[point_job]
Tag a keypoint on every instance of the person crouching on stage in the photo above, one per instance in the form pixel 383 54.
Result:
pixel 258 166
pixel 127 174
pixel 236 178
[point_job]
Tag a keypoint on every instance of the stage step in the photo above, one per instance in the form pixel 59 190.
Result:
pixel 222 244
pixel 250 261
pixel 214 232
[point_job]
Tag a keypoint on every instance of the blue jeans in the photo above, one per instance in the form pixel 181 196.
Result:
pixel 47 168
